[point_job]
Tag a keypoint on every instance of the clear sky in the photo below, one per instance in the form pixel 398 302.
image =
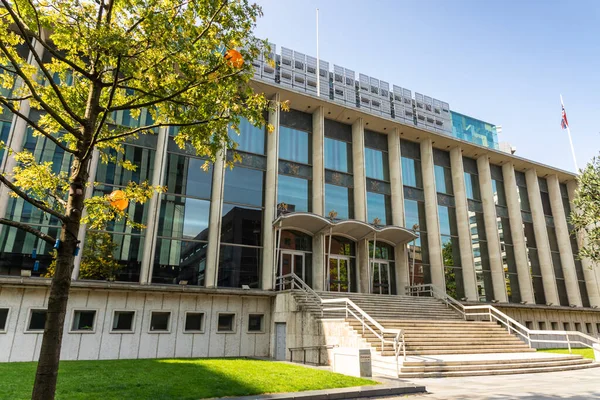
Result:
pixel 505 62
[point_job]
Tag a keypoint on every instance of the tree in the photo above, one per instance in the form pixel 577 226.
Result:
pixel 172 60
pixel 586 217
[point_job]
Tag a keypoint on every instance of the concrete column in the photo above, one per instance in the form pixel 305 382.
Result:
pixel 318 195
pixel 516 230
pixel 462 224
pixel 16 136
pixel 358 170
pixel 591 272
pixel 491 228
pixel 431 216
pixel 89 191
pixel 318 162
pixel 541 237
pixel 564 242
pixel 268 240
pixel 214 220
pixel 158 179
pixel 362 265
pixel 400 254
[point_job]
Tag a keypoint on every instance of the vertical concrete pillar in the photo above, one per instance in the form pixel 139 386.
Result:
pixel 318 161
pixel 89 190
pixel 158 179
pixel 516 229
pixel 431 216
pixel 362 260
pixel 463 225
pixel 491 228
pixel 400 254
pixel 591 272
pixel 541 237
pixel 214 220
pixel 16 135
pixel 318 195
pixel 564 243
pixel 358 170
pixel 270 214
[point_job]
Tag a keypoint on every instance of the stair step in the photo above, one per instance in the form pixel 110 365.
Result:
pixel 506 365
pixel 571 357
pixel 469 351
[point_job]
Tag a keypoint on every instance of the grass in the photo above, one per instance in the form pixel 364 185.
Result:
pixel 167 379
pixel 586 352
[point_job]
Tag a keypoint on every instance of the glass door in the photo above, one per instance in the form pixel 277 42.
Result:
pixel 339 274
pixel 380 277
pixel 291 261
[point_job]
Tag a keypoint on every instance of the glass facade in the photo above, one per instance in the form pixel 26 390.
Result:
pixel 451 252
pixel 474 130
pixel 379 199
pixel 339 192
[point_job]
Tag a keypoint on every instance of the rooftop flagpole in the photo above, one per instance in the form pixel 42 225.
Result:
pixel 564 116
pixel 318 61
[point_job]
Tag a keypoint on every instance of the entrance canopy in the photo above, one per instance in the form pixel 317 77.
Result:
pixel 357 230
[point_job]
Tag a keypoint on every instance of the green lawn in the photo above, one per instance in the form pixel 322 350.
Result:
pixel 168 379
pixel 585 352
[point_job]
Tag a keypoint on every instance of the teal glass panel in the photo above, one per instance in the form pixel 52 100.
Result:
pixel 250 139
pixel 411 173
pixel 337 155
pixel 472 186
pixel 339 199
pixel 379 206
pixel 294 145
pixel 295 192
pixel 474 130
pixel 376 164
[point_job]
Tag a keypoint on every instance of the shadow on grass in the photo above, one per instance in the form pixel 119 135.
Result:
pixel 169 379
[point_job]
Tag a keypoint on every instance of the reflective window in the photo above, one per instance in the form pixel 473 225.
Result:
pixel 294 192
pixel 114 174
pixel 177 260
pixel 241 225
pixel 411 173
pixel 243 186
pixel 183 217
pixel 443 179
pixel 341 246
pixel 239 265
pixel 185 175
pixel 294 145
pixel 376 164
pixel 379 206
pixel 340 200
pixel 447 218
pixel 338 155
pixel 524 198
pixel 472 186
pixel 250 139
pixel 414 214
pixel 498 192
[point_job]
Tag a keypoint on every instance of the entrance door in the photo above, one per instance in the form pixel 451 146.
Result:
pixel 280 341
pixel 339 274
pixel 380 277
pixel 292 261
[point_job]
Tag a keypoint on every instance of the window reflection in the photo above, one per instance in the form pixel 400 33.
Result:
pixel 241 225
pixel 177 260
pixel 379 207
pixel 376 164
pixel 238 266
pixel 411 173
pixel 294 192
pixel 250 139
pixel 294 145
pixel 338 155
pixel 243 186
pixel 184 218
pixel 340 200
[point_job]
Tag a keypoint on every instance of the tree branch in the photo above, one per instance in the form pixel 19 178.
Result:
pixel 30 200
pixel 28 228
pixel 38 60
pixel 35 126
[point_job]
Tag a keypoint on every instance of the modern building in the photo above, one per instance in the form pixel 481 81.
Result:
pixel 361 188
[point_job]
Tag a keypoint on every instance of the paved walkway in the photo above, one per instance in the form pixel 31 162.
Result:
pixel 568 385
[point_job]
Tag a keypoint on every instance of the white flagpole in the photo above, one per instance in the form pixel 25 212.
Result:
pixel 570 139
pixel 318 62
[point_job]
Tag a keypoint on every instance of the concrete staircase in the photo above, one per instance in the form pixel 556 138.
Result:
pixel 439 342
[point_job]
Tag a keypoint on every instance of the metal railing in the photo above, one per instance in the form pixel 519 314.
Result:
pixel 305 348
pixel 514 327
pixel 293 281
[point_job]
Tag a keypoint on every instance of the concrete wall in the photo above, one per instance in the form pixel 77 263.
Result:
pixel 16 344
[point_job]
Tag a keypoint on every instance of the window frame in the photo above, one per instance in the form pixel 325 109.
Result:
pixel 262 323
pixel 233 323
pixel 202 322
pixel 83 331
pixel 132 330
pixel 169 323
pixel 5 329
pixel 30 311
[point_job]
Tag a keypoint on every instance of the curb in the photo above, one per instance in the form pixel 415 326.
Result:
pixel 342 393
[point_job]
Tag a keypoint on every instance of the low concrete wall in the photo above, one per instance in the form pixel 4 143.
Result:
pixel 17 344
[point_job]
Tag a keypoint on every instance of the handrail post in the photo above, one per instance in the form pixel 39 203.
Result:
pixel 363 324
pixel 529 338
pixel 568 342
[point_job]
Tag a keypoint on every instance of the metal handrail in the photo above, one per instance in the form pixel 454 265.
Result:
pixel 511 324
pixel 351 308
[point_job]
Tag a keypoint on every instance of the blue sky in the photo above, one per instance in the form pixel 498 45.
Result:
pixel 505 62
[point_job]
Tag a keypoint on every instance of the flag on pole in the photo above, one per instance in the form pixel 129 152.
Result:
pixel 563 121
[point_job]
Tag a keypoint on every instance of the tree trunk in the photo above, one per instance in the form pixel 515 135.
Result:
pixel 47 370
